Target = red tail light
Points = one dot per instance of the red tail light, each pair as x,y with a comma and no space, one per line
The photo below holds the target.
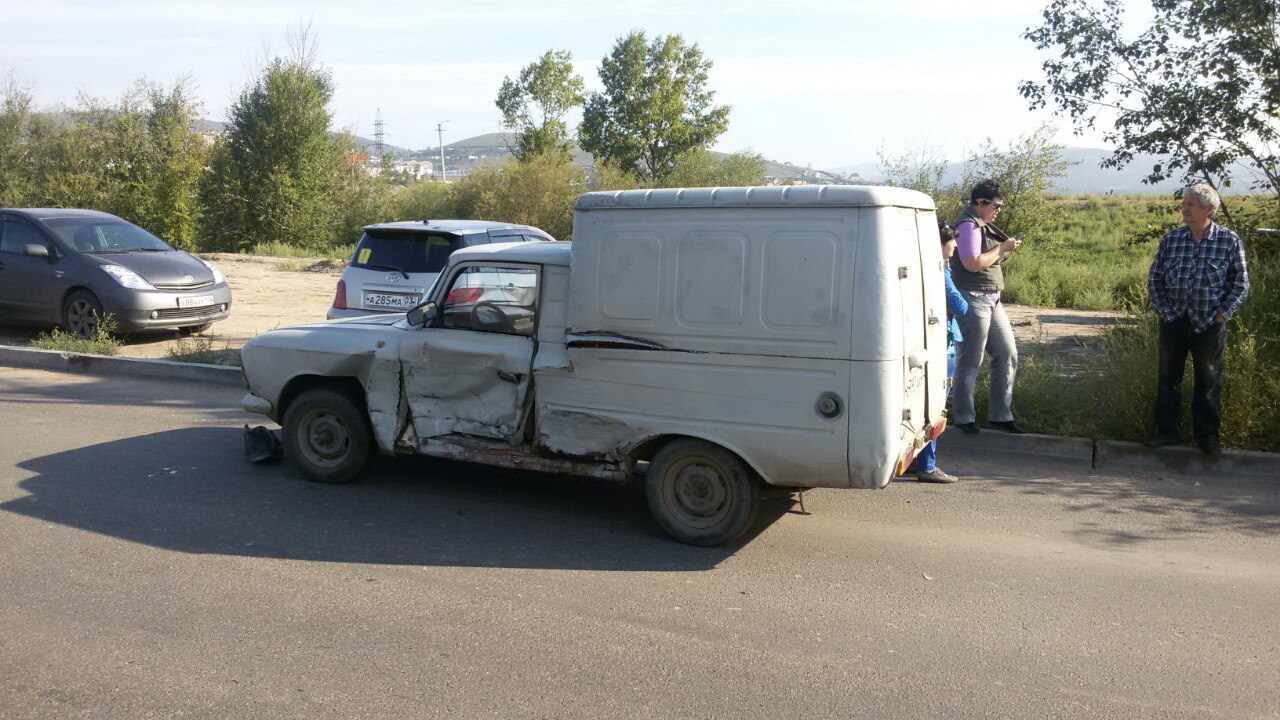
340,297
462,296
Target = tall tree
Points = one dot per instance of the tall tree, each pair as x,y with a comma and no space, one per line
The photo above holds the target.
16,171
655,106
1200,84
273,174
702,168
535,103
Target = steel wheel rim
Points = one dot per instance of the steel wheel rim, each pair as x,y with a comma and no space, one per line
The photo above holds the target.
325,439
82,318
698,492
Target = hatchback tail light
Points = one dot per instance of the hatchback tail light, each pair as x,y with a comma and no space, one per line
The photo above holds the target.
340,297
462,296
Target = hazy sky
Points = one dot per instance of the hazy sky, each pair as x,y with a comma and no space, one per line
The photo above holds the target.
826,82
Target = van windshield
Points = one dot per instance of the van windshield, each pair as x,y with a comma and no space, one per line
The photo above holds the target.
410,252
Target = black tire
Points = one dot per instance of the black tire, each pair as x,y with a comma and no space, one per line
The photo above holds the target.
327,436
700,493
194,329
81,314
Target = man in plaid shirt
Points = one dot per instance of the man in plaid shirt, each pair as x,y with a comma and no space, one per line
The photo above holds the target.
1197,282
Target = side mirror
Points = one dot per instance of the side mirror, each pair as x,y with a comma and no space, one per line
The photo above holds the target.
423,315
35,250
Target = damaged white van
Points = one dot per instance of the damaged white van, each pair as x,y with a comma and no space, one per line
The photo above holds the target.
713,342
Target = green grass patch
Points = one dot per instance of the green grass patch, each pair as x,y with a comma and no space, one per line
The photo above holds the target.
275,248
102,342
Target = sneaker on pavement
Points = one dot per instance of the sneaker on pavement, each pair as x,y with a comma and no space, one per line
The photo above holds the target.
969,427
1160,441
935,475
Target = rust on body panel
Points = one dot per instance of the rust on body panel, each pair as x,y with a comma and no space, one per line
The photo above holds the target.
473,449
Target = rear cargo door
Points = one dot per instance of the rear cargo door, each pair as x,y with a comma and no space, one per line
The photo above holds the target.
915,351
934,309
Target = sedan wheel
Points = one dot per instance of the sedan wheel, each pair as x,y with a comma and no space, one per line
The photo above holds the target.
81,314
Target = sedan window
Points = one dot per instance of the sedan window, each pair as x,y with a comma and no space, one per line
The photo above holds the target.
91,235
405,252
15,236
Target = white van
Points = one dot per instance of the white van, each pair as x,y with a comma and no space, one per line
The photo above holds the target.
714,341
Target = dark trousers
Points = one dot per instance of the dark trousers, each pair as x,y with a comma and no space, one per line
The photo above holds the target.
1177,338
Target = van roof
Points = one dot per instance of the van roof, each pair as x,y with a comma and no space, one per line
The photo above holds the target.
739,197
545,253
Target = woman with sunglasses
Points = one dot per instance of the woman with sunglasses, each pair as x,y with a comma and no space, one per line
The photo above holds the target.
981,249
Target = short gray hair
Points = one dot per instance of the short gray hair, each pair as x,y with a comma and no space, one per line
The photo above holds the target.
1209,197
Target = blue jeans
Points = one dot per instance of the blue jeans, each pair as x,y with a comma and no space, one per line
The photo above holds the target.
927,459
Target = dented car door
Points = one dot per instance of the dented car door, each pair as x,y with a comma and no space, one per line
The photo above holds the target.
469,372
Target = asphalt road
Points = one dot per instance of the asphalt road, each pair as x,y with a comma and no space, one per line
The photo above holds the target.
148,570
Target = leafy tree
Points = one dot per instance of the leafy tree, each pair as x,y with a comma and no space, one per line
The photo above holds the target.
534,105
273,175
1200,84
701,168
1026,170
172,165
921,168
540,192
16,177
655,107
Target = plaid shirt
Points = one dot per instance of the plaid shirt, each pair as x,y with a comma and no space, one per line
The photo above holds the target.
1198,279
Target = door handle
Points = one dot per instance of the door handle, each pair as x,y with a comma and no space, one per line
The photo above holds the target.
512,378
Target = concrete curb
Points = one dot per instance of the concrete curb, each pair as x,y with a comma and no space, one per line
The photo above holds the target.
107,365
1113,455
1087,455
1072,452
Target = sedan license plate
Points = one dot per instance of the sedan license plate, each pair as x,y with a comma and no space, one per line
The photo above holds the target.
391,301
197,301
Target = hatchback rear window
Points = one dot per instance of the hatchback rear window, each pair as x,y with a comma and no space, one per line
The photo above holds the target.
410,252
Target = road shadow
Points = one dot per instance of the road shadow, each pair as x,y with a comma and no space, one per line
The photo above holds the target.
190,490
1141,508
148,392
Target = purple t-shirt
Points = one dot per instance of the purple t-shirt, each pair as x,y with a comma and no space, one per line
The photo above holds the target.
968,240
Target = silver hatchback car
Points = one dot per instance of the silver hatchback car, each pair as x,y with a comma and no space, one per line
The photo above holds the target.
72,267
396,263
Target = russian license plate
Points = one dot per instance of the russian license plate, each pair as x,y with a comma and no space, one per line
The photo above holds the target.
197,301
391,301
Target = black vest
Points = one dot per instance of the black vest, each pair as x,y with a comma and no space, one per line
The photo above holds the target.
988,279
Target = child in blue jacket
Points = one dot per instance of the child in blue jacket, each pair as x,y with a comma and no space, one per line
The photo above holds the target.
926,463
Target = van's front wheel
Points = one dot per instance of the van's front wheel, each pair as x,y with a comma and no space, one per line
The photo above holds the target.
701,494
327,436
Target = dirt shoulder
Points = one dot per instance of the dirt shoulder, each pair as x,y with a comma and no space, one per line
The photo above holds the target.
269,293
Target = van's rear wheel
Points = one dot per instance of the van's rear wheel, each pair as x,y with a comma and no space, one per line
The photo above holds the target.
701,494
327,436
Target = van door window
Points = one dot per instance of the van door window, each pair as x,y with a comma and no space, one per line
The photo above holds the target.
492,299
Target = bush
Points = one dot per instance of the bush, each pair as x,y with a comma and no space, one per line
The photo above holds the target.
102,342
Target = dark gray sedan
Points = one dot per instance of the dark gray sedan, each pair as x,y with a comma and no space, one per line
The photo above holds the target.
72,267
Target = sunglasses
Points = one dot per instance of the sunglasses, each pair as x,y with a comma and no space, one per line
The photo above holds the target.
996,205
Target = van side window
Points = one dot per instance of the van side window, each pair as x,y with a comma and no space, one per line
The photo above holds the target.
492,299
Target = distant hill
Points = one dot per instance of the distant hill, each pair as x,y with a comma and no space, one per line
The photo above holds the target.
1084,176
